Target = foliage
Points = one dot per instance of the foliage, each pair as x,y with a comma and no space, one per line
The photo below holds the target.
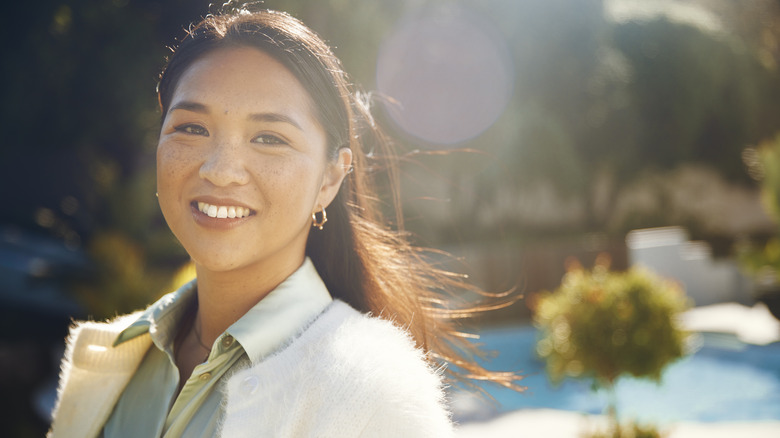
595,101
81,122
631,430
763,261
763,164
588,110
604,324
639,93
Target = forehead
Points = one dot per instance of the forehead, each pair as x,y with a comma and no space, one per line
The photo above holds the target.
242,79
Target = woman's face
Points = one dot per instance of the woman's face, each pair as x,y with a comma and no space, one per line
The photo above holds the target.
242,163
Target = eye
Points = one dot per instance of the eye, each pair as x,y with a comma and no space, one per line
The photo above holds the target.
268,139
192,129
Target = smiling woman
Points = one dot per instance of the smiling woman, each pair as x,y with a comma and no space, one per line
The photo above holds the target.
261,132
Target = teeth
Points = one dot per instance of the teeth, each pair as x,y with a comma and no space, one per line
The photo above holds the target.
223,211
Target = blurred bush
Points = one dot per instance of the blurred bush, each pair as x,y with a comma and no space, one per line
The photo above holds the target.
762,260
603,324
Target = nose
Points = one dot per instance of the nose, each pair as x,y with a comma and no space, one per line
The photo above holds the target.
225,164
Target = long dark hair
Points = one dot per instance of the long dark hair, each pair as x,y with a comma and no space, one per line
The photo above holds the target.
361,260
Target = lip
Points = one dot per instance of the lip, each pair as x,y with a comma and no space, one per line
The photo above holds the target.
219,223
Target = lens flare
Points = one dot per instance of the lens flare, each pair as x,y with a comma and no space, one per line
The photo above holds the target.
446,73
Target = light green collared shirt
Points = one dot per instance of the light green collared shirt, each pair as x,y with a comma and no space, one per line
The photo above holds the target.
147,406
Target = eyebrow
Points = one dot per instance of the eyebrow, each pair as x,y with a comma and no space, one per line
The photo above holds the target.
256,117
274,117
189,106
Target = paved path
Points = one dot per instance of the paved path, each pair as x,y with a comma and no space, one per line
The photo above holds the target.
549,423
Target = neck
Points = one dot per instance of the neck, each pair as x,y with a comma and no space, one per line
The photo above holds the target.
224,297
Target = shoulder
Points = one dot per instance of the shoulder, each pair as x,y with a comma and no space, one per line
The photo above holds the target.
356,374
92,375
110,326
113,327
407,392
344,343
364,343
99,333
361,343
105,333
90,346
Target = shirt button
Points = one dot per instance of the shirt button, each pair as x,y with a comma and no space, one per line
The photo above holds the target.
227,341
205,376
249,385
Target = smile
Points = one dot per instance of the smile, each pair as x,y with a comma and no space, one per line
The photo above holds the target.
224,211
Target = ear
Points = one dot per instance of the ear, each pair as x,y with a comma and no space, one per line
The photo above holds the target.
334,175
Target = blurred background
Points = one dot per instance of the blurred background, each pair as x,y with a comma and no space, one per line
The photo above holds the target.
533,131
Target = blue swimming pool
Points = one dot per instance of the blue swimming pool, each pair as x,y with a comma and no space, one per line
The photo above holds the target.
724,380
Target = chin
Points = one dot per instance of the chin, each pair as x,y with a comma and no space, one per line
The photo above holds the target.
213,262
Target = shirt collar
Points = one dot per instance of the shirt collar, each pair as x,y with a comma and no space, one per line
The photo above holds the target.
282,314
266,327
162,318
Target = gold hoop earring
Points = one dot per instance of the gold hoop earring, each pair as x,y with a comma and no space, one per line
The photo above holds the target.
319,223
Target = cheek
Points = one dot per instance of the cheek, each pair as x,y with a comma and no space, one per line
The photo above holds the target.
293,181
164,181
172,168
172,164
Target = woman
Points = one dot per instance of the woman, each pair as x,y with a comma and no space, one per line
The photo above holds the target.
262,177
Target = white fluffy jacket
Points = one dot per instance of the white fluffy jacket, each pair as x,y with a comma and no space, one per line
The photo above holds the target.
346,375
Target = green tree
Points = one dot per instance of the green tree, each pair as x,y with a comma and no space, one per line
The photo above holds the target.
600,100
602,325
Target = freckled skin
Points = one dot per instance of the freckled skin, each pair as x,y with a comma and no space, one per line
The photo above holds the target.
278,170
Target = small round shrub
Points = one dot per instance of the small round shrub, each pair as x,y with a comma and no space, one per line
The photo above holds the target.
601,324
